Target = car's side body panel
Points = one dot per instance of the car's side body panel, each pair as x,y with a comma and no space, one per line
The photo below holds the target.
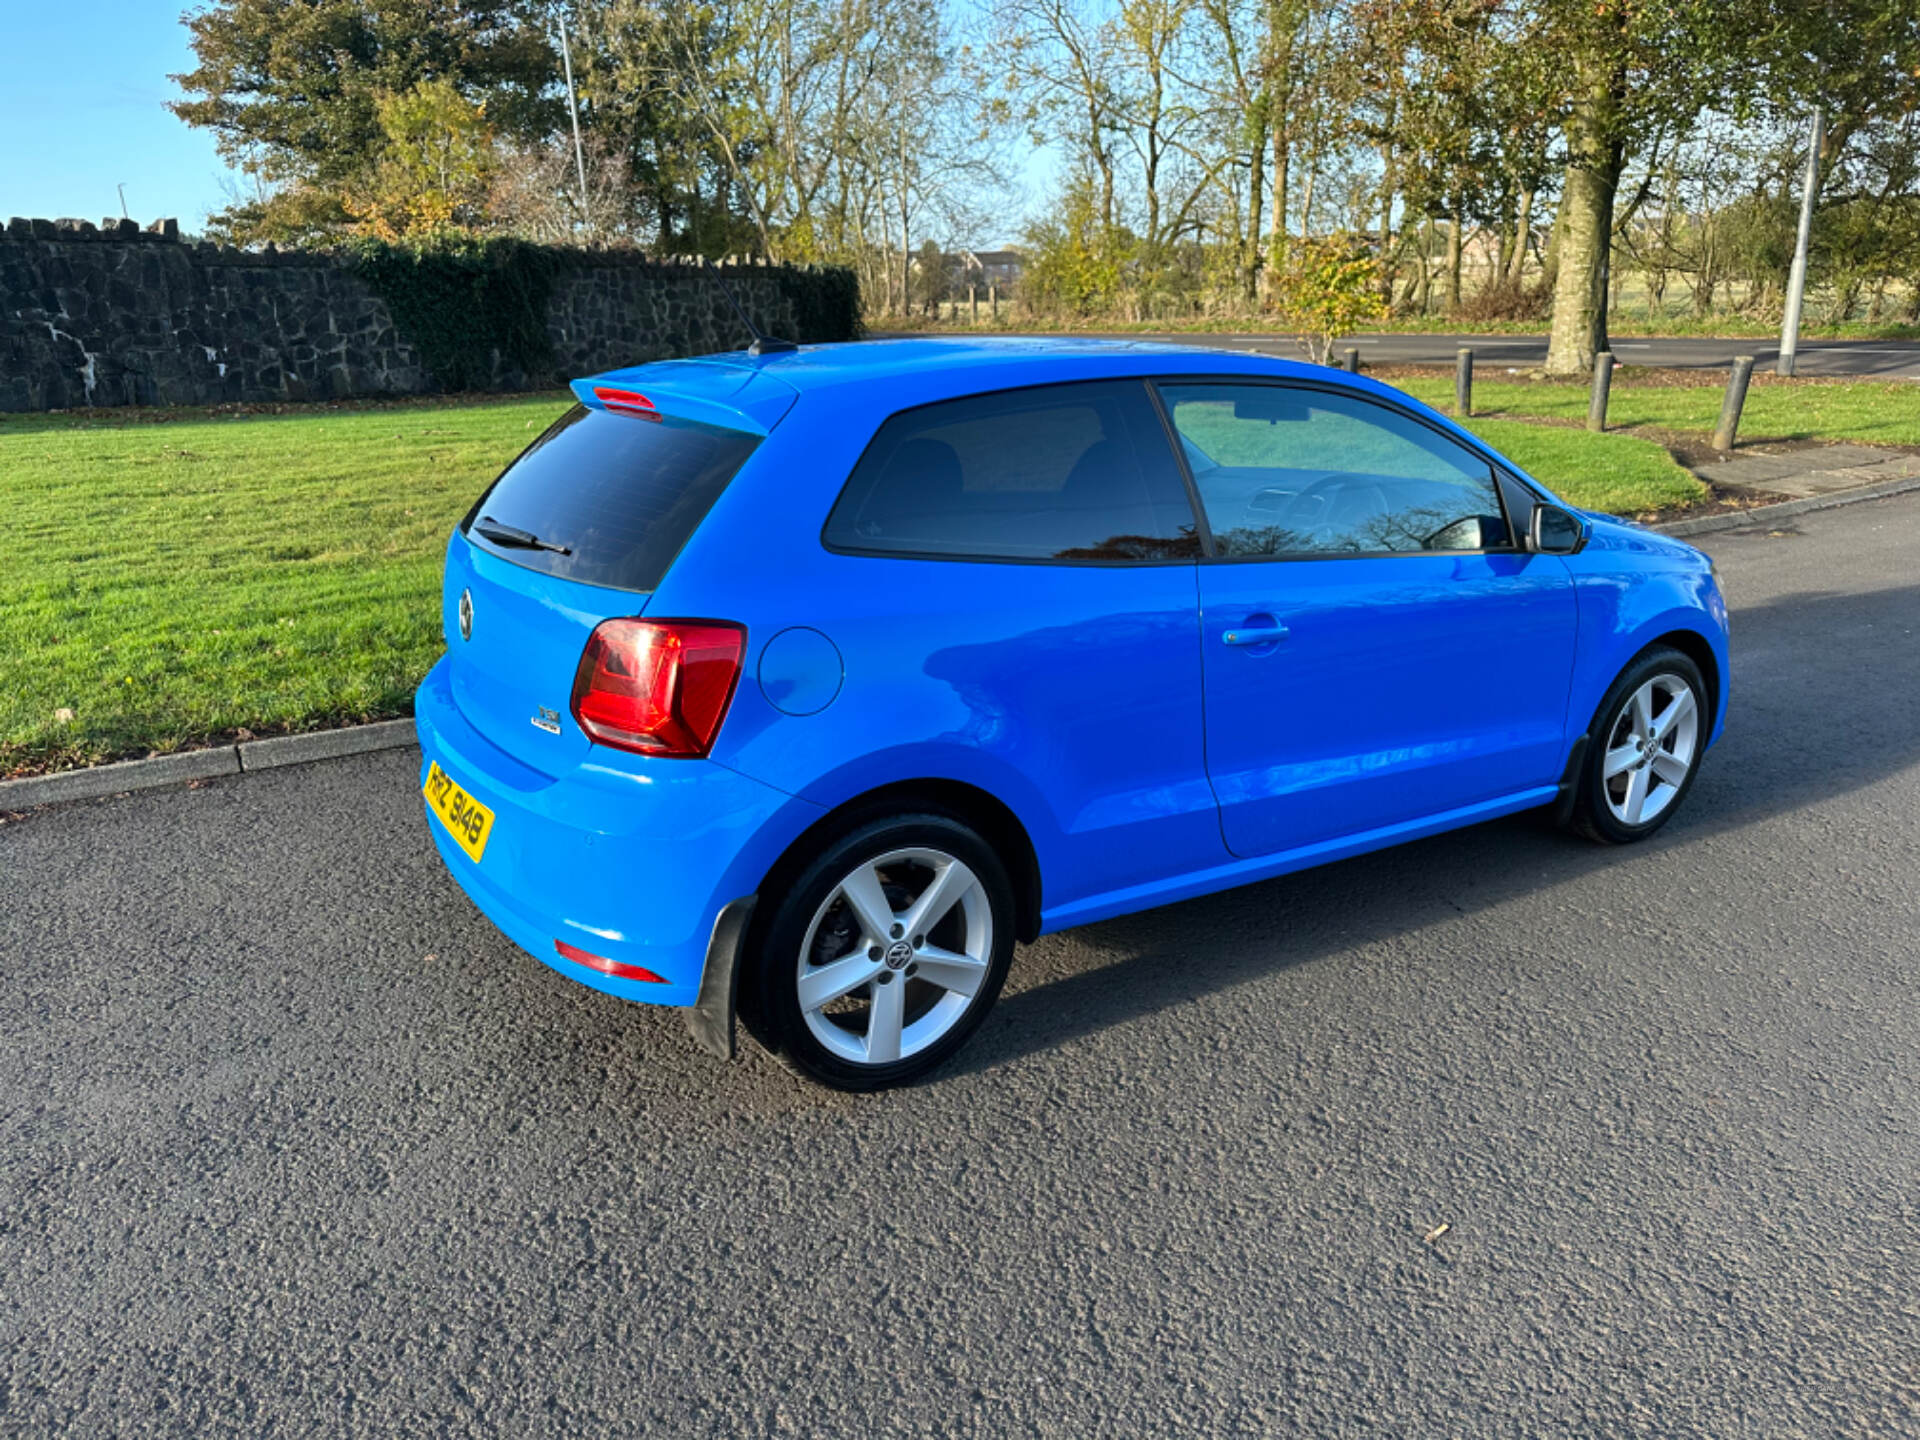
1633,588
1072,694
1403,687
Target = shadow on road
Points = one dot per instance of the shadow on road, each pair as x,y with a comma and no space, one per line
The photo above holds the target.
1826,700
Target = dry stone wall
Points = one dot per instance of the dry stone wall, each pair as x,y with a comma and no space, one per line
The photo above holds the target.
118,315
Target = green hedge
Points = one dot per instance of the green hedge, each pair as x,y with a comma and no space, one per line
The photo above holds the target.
458,301
825,301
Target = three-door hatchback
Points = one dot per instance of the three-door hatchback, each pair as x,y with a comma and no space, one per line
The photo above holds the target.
805,684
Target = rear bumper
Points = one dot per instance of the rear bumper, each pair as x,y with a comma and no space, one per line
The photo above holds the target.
632,860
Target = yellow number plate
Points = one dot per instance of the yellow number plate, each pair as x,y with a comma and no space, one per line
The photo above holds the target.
466,819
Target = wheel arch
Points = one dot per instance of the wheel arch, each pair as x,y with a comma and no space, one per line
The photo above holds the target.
1697,648
969,804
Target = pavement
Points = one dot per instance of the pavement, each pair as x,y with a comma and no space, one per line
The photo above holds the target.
1495,1135
1882,359
1812,470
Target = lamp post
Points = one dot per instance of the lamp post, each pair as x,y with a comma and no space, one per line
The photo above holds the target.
1797,279
573,113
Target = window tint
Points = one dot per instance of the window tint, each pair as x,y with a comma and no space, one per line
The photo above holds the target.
1060,472
622,493
1286,471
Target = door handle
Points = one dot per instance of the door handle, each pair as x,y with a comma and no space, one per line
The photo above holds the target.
1263,634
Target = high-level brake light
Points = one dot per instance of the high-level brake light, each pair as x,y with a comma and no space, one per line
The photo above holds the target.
626,402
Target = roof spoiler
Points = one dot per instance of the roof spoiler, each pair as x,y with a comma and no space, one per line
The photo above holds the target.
730,396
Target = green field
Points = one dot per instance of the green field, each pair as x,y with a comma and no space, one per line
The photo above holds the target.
170,583
1876,412
1617,473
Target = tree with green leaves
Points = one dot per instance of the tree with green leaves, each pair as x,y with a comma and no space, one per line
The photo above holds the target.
1626,70
293,91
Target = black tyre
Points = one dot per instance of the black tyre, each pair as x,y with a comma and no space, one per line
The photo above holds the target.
1643,748
878,959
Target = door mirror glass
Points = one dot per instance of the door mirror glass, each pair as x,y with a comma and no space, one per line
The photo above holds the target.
1556,531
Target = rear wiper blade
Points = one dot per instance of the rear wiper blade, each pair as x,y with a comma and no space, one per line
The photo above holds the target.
515,538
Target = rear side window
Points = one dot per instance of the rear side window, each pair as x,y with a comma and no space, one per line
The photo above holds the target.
620,494
1080,472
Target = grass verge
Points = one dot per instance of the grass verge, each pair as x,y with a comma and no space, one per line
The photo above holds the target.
1625,324
167,584
1621,474
172,578
1874,412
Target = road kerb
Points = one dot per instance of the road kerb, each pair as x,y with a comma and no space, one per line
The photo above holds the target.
325,744
156,771
98,780
1785,510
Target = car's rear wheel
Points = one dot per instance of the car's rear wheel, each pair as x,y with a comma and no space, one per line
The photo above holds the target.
880,957
1643,749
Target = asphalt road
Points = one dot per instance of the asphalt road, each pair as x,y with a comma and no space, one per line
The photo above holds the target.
291,1143
1882,359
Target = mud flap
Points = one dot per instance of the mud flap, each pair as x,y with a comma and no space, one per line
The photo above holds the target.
1569,785
710,1020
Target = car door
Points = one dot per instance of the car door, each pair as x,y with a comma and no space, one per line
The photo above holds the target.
1376,649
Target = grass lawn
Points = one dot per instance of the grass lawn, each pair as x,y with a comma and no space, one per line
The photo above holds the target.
1616,473
1884,412
1624,323
170,583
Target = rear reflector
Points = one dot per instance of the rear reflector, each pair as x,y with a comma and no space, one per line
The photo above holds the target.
658,687
627,402
604,965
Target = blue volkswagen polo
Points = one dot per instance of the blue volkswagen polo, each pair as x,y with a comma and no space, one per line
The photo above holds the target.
801,685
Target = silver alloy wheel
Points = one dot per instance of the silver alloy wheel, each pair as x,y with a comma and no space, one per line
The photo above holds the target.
1651,748
895,955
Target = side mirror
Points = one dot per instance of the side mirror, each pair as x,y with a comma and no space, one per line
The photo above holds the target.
1555,531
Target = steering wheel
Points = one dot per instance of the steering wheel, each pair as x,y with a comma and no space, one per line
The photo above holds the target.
1277,499
1303,502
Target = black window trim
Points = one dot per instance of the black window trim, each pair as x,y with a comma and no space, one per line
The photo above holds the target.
1153,401
1495,468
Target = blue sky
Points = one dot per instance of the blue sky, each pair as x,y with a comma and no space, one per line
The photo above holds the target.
83,84
83,90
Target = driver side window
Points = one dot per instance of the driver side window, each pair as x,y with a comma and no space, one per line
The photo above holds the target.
1302,472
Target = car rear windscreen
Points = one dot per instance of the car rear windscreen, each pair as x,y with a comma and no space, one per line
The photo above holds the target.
609,498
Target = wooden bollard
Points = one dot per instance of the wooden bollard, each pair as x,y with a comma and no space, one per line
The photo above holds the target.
1463,384
1602,387
1350,360
1734,402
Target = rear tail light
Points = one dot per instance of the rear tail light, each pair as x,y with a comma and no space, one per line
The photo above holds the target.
658,687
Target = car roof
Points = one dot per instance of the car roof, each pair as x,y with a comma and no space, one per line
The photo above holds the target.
1035,359
878,377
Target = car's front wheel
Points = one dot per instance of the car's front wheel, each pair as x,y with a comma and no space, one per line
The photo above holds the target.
1643,749
881,956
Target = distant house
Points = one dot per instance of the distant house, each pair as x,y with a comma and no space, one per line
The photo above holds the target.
978,269
998,268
